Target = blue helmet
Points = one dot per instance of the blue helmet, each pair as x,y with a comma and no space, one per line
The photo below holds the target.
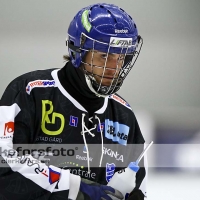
105,28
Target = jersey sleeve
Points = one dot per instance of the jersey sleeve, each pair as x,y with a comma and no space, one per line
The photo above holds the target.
24,177
140,189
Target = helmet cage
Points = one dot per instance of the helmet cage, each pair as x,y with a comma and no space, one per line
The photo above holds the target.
129,51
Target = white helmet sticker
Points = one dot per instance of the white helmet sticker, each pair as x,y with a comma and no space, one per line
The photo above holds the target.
120,42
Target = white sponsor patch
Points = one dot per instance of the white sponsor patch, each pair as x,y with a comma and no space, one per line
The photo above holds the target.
120,42
39,83
120,100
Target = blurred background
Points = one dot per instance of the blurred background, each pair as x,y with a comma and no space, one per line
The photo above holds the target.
163,88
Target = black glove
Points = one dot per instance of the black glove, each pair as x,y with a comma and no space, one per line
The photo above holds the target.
136,195
99,192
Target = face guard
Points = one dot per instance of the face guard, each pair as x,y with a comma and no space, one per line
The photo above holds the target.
100,30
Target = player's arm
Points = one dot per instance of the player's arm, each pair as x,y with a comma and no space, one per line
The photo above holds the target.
140,190
23,177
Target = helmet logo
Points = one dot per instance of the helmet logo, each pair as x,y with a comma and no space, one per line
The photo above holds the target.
85,22
119,42
121,31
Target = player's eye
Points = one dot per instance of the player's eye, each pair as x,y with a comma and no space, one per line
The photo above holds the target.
104,56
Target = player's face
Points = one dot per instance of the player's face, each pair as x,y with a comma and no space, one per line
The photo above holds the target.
105,68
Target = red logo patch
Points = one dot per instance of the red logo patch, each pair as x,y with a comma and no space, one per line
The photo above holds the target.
9,128
53,176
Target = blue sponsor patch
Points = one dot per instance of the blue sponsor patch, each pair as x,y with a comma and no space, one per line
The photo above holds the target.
73,121
54,176
100,127
116,132
110,170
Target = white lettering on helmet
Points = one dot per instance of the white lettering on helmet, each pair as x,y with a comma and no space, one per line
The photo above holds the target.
121,31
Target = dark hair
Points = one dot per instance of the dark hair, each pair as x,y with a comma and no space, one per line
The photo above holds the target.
66,58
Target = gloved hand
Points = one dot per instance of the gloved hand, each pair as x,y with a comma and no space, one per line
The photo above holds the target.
99,192
136,195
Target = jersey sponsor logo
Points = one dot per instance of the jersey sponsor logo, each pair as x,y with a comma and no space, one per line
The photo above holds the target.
9,129
81,172
49,139
116,132
53,175
100,127
39,83
7,118
112,154
120,42
78,157
120,100
50,118
110,170
73,121
121,31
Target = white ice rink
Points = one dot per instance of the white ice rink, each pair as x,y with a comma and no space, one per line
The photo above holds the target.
174,186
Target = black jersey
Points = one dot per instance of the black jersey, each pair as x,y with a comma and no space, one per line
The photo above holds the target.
36,109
